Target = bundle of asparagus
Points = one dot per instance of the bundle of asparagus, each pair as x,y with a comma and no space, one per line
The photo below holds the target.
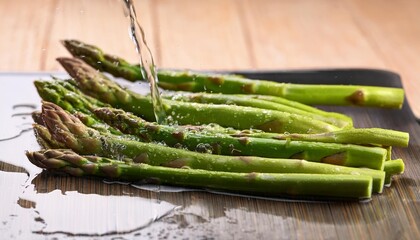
231,84
253,144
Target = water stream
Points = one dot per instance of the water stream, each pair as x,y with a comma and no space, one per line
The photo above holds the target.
148,67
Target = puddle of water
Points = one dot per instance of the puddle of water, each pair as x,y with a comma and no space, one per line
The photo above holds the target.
74,213
162,188
11,215
13,152
29,214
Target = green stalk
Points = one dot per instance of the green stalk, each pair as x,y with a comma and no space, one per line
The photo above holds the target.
63,93
336,119
393,167
224,144
200,82
67,96
292,104
98,86
370,136
267,184
69,131
72,100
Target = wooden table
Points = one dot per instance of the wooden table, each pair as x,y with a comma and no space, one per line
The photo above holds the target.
235,35
225,35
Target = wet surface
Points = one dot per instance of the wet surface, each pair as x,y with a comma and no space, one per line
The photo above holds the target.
41,205
29,210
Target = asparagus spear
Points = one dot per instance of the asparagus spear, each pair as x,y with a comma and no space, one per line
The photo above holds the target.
370,136
176,136
267,184
199,82
342,155
339,120
69,131
44,137
393,167
97,85
67,96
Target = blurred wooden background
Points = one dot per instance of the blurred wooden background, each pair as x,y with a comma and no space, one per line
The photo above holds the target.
224,34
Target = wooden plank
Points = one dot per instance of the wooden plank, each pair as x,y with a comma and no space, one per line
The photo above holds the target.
393,29
264,35
101,23
306,34
22,44
201,35
328,34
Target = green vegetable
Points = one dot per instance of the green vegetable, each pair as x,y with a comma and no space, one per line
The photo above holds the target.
267,184
393,167
261,142
219,143
336,119
98,86
69,131
44,138
214,140
70,98
199,82
370,136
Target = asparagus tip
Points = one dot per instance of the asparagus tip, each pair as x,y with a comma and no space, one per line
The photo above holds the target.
71,45
36,116
33,157
76,68
64,42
